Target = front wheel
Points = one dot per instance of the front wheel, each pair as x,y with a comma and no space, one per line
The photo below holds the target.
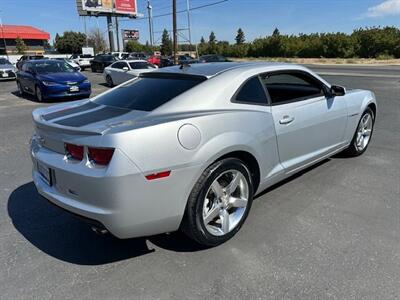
363,134
20,89
109,80
38,93
219,203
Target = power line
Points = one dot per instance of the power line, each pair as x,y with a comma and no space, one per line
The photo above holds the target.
183,11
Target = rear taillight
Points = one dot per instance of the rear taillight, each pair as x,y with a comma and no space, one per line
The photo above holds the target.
74,151
100,156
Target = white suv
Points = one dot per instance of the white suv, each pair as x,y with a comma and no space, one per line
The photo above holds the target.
83,60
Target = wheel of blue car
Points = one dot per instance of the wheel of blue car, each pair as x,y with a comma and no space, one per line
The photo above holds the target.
20,89
38,93
363,134
219,202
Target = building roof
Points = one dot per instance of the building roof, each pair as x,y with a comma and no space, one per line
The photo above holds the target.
23,32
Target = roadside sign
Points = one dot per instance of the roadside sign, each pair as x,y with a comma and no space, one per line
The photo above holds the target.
130,34
88,50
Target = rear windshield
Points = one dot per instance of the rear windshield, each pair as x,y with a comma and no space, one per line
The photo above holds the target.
141,65
148,92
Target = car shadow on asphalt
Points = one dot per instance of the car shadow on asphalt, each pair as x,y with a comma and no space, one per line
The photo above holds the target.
64,237
32,98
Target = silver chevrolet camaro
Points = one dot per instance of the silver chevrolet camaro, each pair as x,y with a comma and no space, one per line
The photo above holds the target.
189,147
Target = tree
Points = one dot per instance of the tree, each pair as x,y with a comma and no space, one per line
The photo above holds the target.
276,32
166,43
70,42
97,41
20,45
202,40
212,38
240,39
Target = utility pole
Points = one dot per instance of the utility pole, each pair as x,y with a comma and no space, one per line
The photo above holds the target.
188,21
175,33
86,37
4,38
117,33
150,14
110,32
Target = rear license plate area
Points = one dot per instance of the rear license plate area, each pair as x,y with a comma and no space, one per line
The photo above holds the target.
45,173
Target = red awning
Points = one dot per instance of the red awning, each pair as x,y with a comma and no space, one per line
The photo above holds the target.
23,32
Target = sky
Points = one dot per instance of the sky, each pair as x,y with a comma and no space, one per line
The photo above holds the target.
257,18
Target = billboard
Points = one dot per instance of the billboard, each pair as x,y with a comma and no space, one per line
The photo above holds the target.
125,7
130,34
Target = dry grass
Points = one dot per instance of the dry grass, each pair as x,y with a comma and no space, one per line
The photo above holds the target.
325,61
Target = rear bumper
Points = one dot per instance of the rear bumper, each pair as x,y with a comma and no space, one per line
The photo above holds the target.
119,197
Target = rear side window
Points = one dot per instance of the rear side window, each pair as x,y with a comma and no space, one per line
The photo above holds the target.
148,93
294,86
252,92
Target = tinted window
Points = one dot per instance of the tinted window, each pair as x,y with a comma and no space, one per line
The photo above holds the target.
119,65
141,65
52,66
287,87
4,61
148,93
252,92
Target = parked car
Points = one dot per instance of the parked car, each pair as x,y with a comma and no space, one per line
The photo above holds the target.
24,58
155,60
48,79
138,55
165,62
120,55
125,70
188,148
70,62
212,58
101,61
186,59
7,69
83,60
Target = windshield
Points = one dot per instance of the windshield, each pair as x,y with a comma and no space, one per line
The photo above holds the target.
4,61
141,65
148,92
52,67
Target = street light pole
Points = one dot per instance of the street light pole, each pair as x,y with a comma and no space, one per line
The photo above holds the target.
175,33
4,38
150,13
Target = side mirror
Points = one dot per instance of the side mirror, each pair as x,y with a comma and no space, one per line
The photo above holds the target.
337,90
125,68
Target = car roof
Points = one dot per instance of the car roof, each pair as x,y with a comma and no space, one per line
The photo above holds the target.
133,60
212,69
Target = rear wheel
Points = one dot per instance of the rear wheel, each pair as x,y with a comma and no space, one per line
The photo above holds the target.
109,80
219,203
363,134
93,69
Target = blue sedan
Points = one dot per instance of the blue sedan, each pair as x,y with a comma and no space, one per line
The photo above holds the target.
51,79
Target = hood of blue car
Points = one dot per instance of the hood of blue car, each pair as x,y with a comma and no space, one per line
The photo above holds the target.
63,77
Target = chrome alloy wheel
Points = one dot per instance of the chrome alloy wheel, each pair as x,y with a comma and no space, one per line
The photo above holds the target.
364,131
225,202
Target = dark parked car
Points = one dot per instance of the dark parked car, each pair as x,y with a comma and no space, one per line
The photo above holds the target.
212,58
186,59
165,62
51,79
101,61
24,58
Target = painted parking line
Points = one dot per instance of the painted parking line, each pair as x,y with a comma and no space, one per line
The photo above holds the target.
359,74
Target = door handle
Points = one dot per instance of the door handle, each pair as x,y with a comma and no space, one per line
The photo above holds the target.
286,120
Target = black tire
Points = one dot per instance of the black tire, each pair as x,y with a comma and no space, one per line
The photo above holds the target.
38,94
83,68
20,89
192,224
109,80
93,69
353,150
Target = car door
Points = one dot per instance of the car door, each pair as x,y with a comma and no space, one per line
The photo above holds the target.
25,77
308,123
116,72
30,78
124,72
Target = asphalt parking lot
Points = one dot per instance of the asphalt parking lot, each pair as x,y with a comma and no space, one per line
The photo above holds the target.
331,232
